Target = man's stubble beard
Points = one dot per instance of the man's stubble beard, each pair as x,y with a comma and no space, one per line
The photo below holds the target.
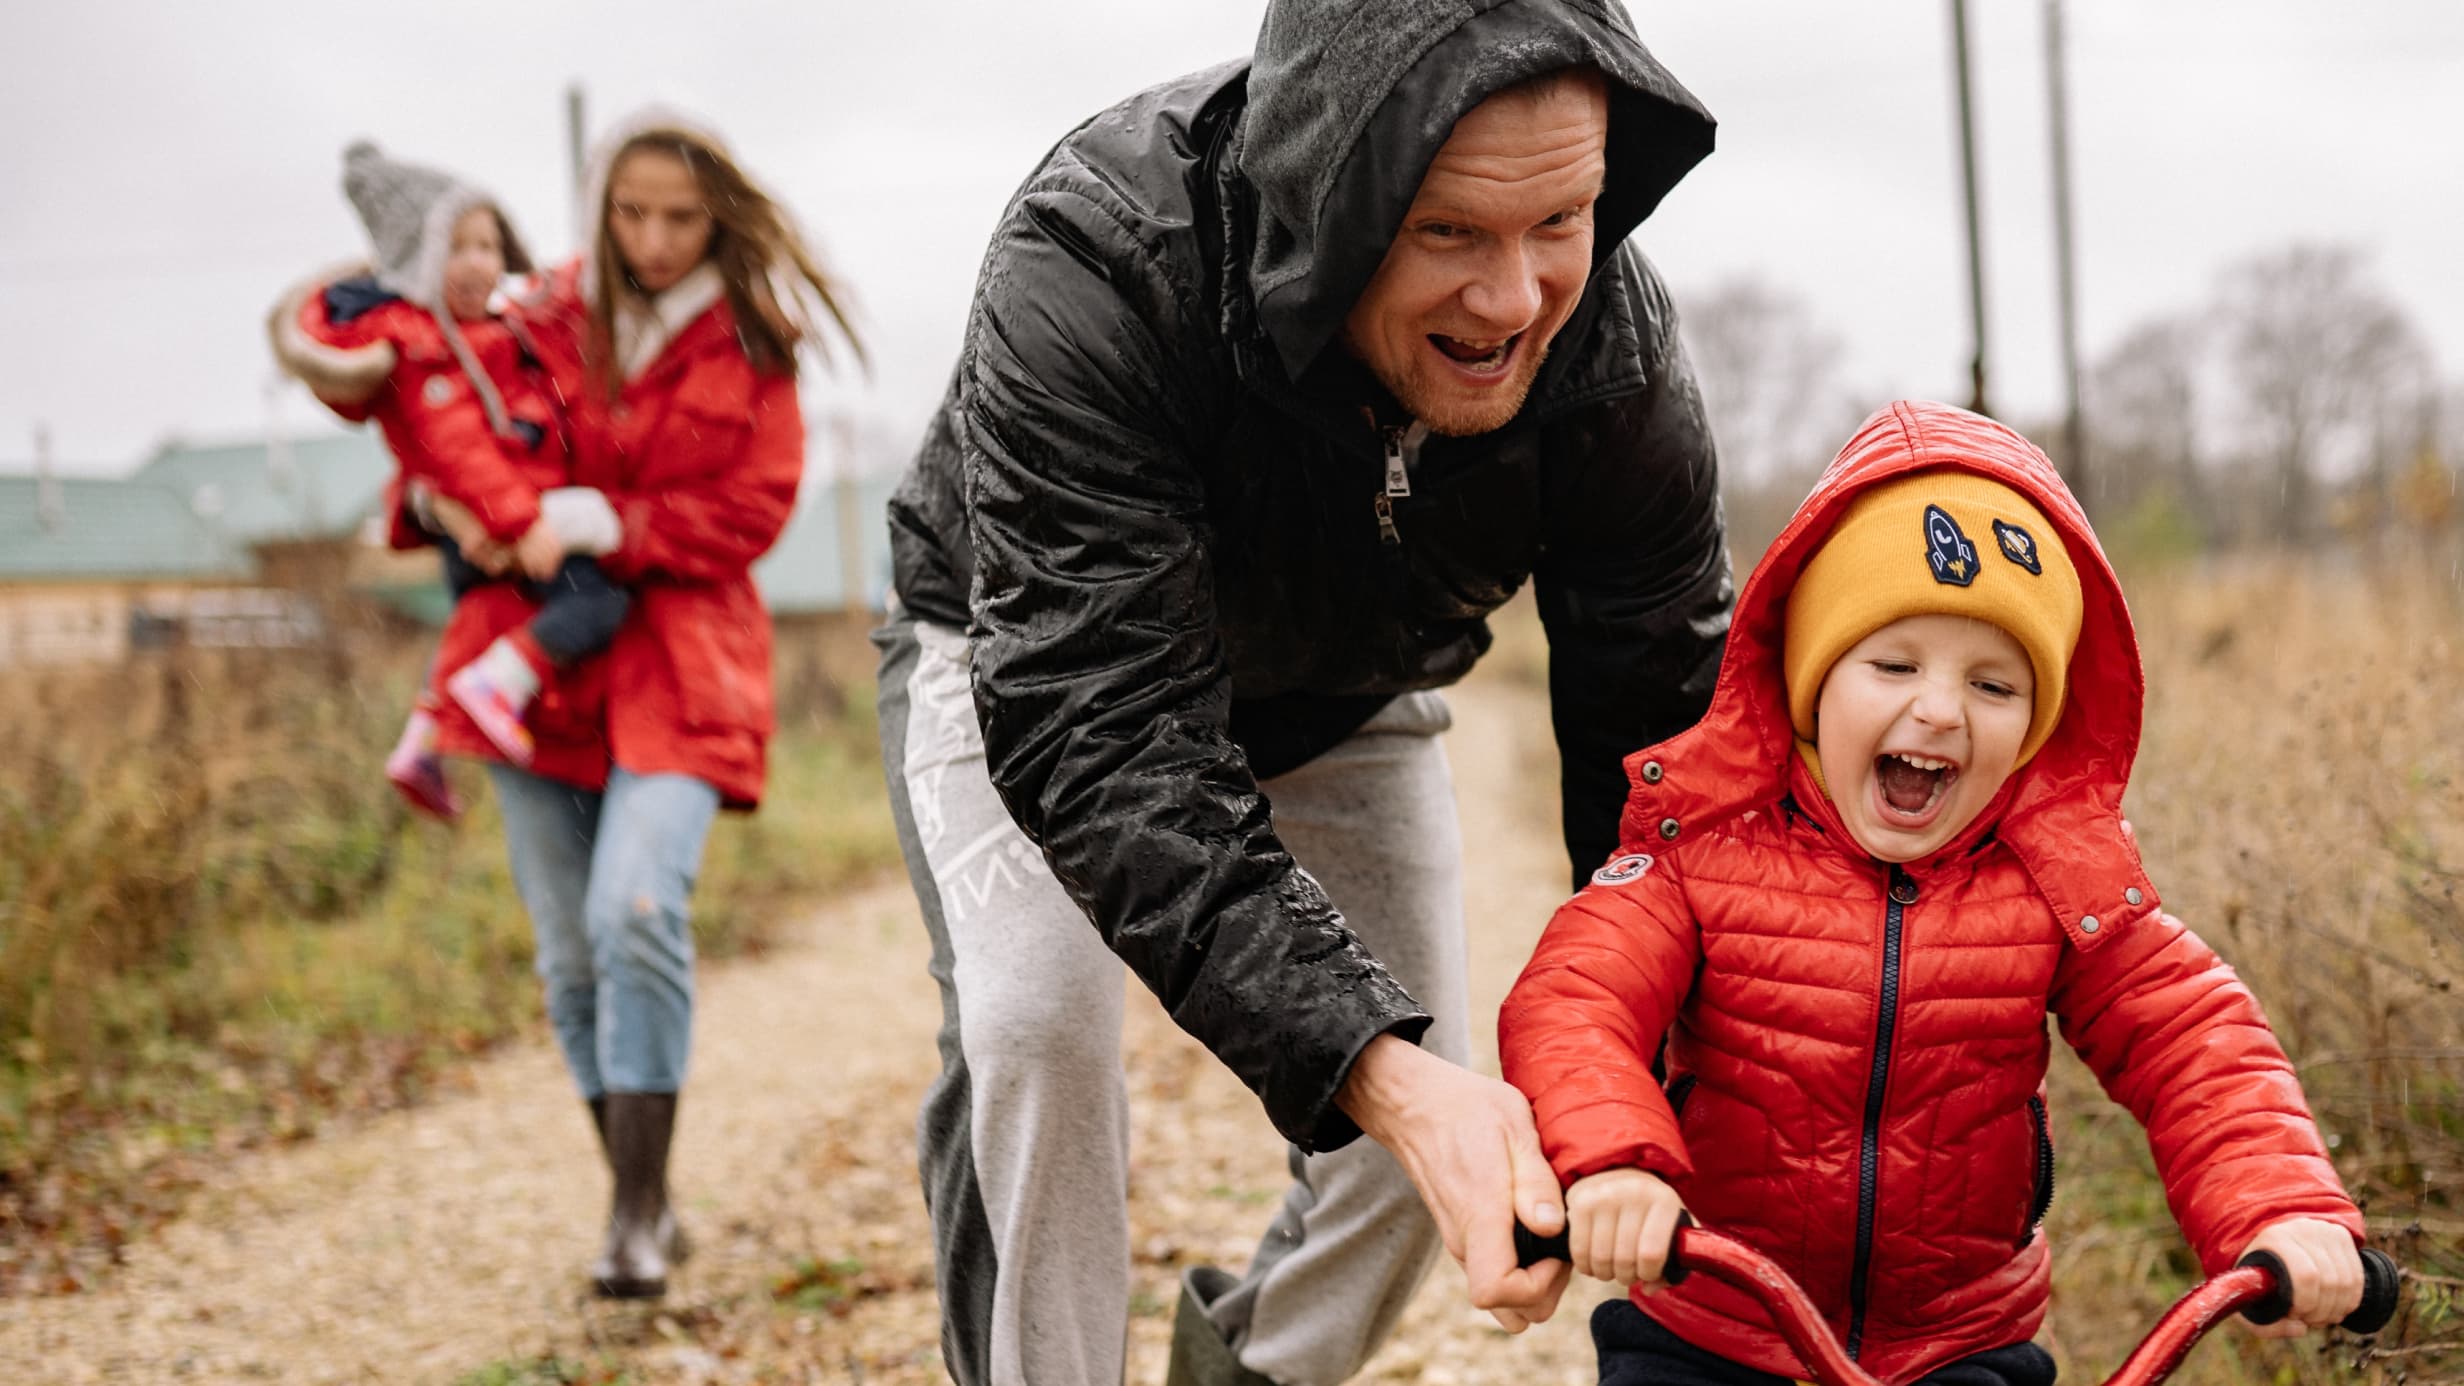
1454,419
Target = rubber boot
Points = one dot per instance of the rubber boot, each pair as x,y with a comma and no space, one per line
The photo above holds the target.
1200,1356
672,1239
639,1127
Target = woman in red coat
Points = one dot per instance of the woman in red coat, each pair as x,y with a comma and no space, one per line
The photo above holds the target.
1849,898
674,340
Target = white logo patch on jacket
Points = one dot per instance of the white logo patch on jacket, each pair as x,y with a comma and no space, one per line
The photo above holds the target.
1622,870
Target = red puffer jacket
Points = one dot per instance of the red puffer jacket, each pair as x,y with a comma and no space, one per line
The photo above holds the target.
432,419
700,455
389,363
1856,1052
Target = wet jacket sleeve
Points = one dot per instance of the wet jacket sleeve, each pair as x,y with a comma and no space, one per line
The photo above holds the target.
1578,1031
710,524
459,455
1634,585
1100,681
2175,1037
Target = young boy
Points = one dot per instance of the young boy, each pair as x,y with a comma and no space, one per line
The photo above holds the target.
1847,899
468,412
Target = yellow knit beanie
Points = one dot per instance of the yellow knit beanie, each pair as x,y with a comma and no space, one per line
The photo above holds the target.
1936,543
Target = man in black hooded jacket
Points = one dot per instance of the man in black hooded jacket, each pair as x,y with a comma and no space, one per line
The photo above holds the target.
1279,378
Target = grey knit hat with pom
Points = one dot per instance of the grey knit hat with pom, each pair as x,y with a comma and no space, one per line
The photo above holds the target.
409,211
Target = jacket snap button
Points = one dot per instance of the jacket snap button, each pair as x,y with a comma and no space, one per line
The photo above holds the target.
1652,772
1668,827
1904,891
2133,895
2088,925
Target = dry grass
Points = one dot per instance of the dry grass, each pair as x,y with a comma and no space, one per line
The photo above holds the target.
2300,799
219,926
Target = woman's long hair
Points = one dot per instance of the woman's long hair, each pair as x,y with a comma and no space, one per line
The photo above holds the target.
772,276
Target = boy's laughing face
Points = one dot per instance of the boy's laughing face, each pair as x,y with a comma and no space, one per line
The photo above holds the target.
1917,726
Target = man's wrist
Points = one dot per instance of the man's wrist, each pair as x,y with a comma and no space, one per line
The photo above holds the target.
1378,1086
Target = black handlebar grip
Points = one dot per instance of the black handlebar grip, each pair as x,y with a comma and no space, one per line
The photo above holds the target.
2379,1282
1530,1249
2278,1300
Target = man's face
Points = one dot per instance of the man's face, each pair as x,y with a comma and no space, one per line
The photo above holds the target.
1491,258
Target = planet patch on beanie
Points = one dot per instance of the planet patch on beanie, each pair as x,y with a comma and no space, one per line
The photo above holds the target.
1947,551
2018,546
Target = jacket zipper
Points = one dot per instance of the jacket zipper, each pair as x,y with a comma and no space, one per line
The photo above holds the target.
2040,1200
1402,446
1869,1151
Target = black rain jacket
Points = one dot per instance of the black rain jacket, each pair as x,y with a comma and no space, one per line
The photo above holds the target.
1157,497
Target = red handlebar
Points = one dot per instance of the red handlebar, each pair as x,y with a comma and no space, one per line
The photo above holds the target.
1801,1325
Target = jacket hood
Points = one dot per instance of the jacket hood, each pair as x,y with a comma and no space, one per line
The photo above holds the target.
590,213
410,210
2061,812
1349,100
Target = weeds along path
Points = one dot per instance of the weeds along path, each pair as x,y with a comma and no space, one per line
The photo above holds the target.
446,1243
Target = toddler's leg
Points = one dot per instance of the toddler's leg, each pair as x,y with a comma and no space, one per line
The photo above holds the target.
416,770
579,613
496,689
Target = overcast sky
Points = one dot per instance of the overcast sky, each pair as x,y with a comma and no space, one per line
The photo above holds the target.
165,169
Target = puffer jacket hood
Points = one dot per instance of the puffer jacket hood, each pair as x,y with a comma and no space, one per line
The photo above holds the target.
2061,812
1349,100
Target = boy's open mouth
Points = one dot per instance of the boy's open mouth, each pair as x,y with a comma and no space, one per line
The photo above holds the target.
1477,357
1913,784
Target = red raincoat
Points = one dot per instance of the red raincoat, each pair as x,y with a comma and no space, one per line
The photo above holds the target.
1856,1052
700,455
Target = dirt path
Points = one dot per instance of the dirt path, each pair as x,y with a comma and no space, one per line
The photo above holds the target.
447,1241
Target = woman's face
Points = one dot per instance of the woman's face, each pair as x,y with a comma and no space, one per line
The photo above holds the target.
656,213
474,263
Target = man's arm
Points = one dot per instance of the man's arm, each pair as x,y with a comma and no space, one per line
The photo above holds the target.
1634,588
1099,677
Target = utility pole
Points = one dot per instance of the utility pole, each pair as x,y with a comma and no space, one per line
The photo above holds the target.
851,594
1976,240
573,139
2057,93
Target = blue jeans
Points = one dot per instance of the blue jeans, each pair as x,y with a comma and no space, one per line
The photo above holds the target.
607,878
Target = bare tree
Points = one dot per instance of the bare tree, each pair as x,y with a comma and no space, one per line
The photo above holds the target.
2313,348
2143,398
1770,381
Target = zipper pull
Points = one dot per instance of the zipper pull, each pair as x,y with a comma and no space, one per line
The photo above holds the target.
1386,531
1398,470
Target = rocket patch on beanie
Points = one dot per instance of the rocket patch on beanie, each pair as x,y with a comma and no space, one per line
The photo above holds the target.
1903,549
1952,557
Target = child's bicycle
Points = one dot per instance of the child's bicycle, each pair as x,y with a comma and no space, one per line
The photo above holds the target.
2257,1288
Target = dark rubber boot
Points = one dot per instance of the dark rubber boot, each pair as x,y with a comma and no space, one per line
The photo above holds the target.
672,1240
639,1128
1200,1356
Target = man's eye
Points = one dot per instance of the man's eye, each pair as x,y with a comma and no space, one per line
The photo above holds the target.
1441,230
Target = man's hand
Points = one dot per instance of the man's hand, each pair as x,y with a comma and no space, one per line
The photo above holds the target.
540,550
1469,1146
1619,1223
2325,1268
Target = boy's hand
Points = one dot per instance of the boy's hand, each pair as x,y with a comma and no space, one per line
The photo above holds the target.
2325,1268
540,550
1618,1225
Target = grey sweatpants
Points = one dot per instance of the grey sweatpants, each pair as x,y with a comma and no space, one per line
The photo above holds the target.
1024,1139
